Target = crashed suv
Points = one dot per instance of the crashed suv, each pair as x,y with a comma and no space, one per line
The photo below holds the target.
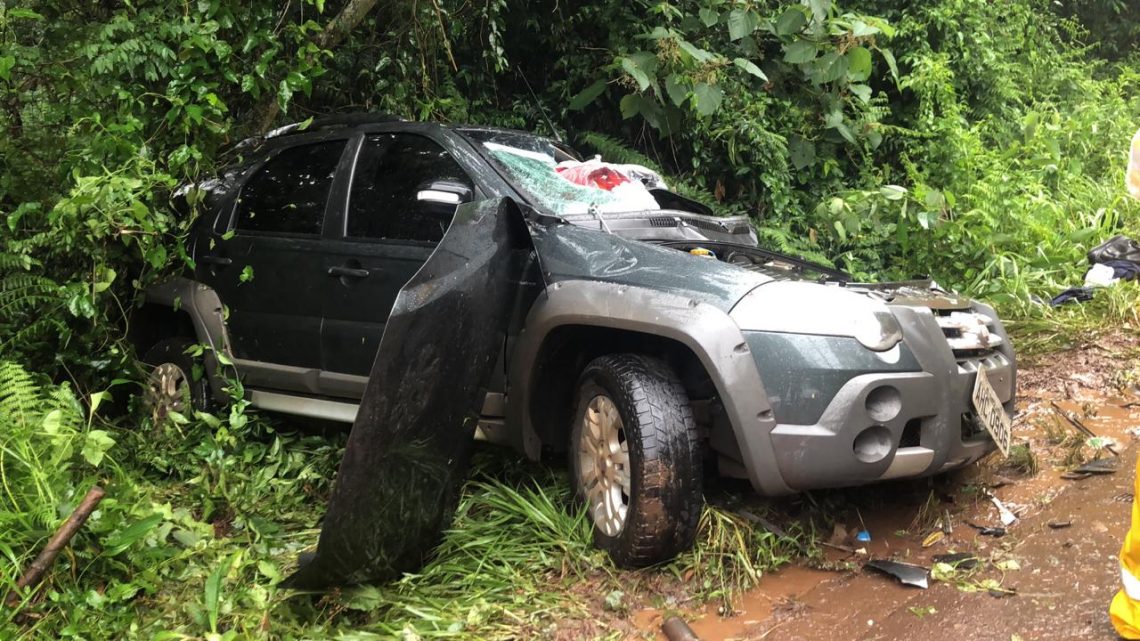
435,283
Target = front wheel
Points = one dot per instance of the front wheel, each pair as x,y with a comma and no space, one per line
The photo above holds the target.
635,459
176,381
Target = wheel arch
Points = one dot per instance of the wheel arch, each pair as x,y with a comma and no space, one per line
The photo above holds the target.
597,315
184,307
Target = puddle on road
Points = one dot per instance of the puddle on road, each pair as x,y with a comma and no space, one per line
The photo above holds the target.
777,595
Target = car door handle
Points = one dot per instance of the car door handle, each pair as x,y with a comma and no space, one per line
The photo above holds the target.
215,260
348,272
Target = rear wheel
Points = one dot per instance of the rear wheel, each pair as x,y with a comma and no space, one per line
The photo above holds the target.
171,385
635,459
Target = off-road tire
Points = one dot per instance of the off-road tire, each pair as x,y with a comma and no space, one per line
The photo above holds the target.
173,351
665,501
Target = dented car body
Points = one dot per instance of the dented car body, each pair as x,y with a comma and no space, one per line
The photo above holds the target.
452,285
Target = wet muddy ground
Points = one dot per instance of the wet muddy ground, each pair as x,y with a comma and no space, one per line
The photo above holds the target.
1051,576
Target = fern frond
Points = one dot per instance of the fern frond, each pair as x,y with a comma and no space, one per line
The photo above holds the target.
20,397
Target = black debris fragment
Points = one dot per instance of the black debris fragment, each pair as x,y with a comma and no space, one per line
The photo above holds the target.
984,530
1102,466
960,560
1059,525
906,573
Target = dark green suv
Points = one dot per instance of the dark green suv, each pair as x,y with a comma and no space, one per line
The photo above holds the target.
437,283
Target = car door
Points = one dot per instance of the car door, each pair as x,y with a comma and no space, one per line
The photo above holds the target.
267,269
389,232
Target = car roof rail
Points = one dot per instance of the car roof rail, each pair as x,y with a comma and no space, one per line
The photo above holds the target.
335,121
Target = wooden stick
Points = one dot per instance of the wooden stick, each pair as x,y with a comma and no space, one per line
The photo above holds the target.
1080,427
46,558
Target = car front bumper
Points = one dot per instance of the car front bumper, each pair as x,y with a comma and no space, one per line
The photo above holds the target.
904,419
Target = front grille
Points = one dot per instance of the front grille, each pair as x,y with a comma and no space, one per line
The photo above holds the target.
992,360
970,334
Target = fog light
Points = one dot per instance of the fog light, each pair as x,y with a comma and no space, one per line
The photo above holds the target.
883,404
873,444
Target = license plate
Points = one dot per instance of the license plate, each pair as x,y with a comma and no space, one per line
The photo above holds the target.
988,409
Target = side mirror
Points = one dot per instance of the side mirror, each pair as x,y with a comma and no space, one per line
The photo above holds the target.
444,192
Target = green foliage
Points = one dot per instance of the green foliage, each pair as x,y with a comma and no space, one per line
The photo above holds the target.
982,143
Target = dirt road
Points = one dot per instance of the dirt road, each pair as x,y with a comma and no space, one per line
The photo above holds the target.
1050,577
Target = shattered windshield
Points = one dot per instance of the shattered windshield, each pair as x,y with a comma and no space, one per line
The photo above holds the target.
553,179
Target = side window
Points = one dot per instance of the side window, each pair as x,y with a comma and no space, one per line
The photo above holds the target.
288,194
391,172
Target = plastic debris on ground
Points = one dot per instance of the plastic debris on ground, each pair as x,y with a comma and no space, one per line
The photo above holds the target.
958,560
906,573
932,538
984,530
1114,260
1004,513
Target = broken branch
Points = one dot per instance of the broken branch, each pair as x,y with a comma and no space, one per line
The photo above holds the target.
35,572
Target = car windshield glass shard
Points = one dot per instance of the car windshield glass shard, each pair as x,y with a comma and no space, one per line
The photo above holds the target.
551,179
288,195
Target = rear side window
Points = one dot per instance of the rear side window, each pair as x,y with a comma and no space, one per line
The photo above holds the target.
288,194
390,172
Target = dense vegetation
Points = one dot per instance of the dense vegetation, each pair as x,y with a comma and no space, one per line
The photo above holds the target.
980,142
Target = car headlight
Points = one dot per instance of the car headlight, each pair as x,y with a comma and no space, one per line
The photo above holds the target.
809,308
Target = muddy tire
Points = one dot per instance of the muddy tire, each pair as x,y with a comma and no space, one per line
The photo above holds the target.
635,459
170,382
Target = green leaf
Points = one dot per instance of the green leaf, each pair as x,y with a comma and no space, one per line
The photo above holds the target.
859,64
799,52
587,96
635,66
709,17
829,67
792,20
95,446
26,14
750,67
861,29
893,192
120,540
630,105
676,91
845,131
894,67
698,54
213,590
51,422
863,91
801,152
820,8
95,400
246,274
741,22
6,64
708,98
841,230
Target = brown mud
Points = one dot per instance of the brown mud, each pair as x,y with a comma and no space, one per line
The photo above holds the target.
1036,582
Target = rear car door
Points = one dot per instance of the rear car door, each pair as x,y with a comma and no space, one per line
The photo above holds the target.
266,265
389,231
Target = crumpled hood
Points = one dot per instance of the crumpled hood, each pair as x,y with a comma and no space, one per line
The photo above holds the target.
570,252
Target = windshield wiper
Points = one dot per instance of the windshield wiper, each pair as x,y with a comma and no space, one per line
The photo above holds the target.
597,213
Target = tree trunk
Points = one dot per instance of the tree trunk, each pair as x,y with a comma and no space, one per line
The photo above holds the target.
332,35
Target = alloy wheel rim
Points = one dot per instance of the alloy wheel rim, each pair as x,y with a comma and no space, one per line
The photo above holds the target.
603,465
168,390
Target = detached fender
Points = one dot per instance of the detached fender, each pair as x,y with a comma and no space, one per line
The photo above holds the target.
705,329
202,305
